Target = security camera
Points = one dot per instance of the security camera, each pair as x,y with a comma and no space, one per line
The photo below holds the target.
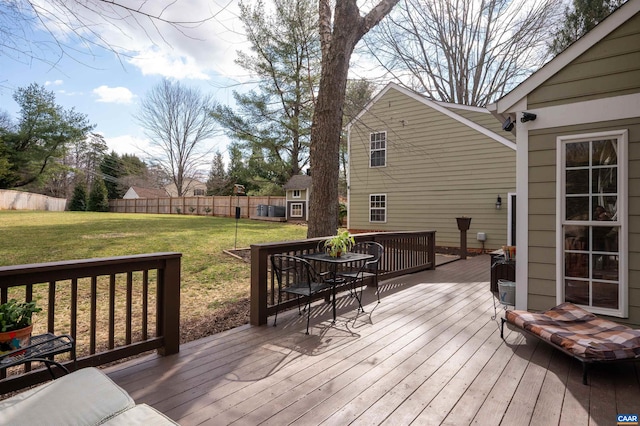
507,126
528,116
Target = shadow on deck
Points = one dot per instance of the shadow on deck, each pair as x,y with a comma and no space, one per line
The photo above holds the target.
428,354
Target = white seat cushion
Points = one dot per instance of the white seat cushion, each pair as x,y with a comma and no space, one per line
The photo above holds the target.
84,397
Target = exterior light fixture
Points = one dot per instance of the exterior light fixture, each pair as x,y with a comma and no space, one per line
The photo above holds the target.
528,116
498,202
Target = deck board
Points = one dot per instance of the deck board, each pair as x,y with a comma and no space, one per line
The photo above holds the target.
429,353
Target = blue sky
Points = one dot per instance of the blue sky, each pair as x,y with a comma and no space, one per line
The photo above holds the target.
108,87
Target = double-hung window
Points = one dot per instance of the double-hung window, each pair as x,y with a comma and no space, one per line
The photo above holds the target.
592,225
377,208
378,149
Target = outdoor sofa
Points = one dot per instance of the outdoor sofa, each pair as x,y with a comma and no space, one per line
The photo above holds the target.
84,397
578,333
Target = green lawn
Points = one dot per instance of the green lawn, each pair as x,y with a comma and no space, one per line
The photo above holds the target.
210,278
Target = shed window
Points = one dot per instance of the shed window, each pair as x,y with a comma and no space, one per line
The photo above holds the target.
377,208
378,149
295,210
295,193
592,225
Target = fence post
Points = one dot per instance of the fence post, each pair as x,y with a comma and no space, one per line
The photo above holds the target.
169,306
259,271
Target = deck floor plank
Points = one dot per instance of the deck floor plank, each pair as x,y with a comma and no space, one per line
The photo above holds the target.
549,404
429,353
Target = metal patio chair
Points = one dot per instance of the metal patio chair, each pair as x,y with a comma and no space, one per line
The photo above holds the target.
297,276
368,269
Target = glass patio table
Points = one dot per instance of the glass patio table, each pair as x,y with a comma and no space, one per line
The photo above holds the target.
332,263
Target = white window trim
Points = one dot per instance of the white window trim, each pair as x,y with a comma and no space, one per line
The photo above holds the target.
294,195
623,265
386,202
296,205
386,147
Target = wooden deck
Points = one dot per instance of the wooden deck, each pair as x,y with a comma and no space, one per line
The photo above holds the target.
429,353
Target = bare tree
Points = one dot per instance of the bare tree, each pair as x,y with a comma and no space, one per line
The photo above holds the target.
464,51
23,23
178,121
340,31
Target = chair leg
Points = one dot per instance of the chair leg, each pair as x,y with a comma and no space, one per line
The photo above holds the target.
308,313
377,288
355,292
585,367
275,319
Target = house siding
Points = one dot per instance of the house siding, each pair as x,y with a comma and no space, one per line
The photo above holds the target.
610,68
437,169
542,213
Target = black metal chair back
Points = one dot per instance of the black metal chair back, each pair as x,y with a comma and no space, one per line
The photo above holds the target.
298,277
368,269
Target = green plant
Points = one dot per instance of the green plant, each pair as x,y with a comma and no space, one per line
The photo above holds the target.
15,315
342,212
340,243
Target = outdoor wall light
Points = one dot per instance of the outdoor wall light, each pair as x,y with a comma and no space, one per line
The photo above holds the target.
498,202
528,116
508,125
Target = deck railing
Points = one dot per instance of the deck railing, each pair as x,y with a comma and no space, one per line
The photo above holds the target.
404,253
113,307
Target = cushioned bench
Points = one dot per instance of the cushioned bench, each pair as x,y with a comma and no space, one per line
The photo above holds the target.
578,333
84,397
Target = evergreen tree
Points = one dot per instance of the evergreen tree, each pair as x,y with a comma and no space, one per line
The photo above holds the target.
217,184
42,136
98,201
111,166
585,15
285,58
79,199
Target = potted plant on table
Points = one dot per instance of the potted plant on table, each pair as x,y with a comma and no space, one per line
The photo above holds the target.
16,324
339,243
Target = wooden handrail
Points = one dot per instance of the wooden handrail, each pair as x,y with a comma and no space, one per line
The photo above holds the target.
74,289
405,252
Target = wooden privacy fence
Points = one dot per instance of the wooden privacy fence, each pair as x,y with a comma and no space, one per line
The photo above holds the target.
404,253
17,200
204,206
113,307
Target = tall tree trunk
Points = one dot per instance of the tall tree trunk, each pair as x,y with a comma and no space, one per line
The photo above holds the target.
337,46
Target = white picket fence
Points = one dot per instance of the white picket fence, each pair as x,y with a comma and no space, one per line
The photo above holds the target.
17,200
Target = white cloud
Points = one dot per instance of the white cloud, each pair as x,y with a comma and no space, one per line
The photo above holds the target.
128,144
165,64
53,83
117,95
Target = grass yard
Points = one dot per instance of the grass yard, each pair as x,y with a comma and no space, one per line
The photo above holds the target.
212,281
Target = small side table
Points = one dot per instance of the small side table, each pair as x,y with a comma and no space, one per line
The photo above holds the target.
43,347
501,269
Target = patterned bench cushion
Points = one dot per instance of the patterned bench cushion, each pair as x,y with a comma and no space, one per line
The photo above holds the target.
580,332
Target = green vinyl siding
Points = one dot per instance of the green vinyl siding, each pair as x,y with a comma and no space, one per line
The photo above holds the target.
542,213
437,169
610,68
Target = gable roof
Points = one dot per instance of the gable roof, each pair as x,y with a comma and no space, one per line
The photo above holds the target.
298,182
580,46
149,192
466,115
